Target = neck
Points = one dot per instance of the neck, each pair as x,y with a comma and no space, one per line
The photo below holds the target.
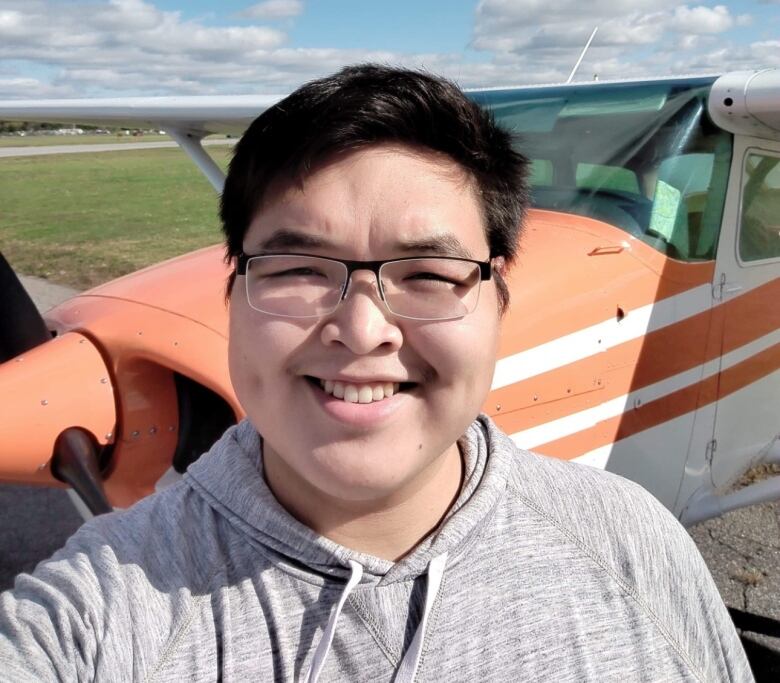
388,527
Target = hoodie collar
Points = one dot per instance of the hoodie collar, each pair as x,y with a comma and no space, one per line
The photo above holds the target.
230,478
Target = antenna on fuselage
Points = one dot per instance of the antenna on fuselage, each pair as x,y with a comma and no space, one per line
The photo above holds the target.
582,54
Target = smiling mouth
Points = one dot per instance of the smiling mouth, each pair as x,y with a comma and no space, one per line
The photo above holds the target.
368,392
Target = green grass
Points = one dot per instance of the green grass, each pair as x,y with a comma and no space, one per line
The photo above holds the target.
82,219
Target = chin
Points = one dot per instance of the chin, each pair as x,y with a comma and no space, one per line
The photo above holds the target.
349,474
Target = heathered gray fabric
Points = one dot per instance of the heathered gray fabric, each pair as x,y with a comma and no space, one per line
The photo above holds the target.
555,572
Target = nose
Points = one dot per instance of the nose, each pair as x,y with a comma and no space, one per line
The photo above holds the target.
362,322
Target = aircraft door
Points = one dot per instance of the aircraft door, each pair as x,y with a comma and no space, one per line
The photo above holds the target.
747,296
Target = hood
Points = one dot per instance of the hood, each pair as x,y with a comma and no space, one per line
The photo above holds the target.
229,477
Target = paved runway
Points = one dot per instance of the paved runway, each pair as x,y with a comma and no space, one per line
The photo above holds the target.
33,151
742,548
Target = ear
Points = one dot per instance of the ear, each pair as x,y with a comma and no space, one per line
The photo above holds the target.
498,263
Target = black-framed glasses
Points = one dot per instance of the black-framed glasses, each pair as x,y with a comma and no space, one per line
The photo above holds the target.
307,286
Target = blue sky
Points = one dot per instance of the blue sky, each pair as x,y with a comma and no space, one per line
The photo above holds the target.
87,48
400,25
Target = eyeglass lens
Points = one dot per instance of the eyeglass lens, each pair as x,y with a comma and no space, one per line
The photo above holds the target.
308,286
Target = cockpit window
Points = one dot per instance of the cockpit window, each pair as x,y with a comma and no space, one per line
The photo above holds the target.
645,157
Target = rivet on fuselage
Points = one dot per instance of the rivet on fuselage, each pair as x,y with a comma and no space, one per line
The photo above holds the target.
44,402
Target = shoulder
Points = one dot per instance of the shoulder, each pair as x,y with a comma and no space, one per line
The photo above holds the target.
634,542
168,535
152,549
179,536
125,583
594,508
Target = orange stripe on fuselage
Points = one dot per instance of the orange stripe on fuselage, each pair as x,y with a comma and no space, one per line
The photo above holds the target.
638,363
662,410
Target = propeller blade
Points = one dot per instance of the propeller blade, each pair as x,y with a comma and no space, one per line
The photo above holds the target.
21,325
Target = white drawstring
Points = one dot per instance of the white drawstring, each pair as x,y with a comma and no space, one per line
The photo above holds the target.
411,660
408,668
323,647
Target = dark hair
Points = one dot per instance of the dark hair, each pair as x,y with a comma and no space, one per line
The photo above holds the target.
369,104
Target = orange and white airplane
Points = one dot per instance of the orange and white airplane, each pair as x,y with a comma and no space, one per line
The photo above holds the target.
643,335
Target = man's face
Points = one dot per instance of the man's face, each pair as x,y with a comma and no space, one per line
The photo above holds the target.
379,203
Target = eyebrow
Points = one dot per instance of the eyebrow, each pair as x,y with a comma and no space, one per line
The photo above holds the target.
442,245
293,239
285,238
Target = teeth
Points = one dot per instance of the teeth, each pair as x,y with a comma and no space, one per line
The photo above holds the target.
360,393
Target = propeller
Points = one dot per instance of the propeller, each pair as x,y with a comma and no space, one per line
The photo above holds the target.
76,457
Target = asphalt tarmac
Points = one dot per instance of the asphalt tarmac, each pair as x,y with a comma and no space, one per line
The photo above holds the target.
741,549
33,151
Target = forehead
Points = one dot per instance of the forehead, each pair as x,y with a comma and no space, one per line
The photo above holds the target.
377,199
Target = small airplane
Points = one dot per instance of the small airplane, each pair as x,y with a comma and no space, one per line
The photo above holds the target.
643,335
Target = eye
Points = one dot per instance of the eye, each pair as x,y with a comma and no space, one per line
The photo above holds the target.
431,277
303,271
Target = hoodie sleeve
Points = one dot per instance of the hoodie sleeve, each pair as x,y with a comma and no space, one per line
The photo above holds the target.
661,566
115,601
639,546
53,620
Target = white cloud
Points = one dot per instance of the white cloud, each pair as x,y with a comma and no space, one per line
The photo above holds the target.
52,48
132,47
273,9
635,37
703,19
129,45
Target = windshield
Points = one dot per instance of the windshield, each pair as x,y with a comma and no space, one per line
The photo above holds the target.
644,157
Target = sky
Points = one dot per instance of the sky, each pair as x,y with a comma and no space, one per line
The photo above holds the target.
98,48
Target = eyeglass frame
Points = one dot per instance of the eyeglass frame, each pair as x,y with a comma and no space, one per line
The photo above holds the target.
485,274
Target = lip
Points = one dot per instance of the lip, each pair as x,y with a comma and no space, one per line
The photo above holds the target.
376,379
357,415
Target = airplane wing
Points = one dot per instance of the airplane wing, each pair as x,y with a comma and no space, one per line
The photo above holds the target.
197,116
186,119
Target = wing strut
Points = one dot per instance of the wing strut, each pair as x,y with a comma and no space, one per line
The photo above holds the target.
190,143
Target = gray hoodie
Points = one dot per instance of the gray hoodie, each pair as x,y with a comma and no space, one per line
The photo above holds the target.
543,570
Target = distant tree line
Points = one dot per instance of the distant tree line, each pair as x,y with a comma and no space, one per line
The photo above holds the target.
31,127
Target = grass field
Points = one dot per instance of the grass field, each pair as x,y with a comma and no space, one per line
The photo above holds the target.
82,219
46,140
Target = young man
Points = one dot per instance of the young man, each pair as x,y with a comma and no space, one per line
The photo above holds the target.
365,523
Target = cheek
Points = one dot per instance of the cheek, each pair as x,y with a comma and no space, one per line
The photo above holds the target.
263,350
462,352
241,363
253,349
